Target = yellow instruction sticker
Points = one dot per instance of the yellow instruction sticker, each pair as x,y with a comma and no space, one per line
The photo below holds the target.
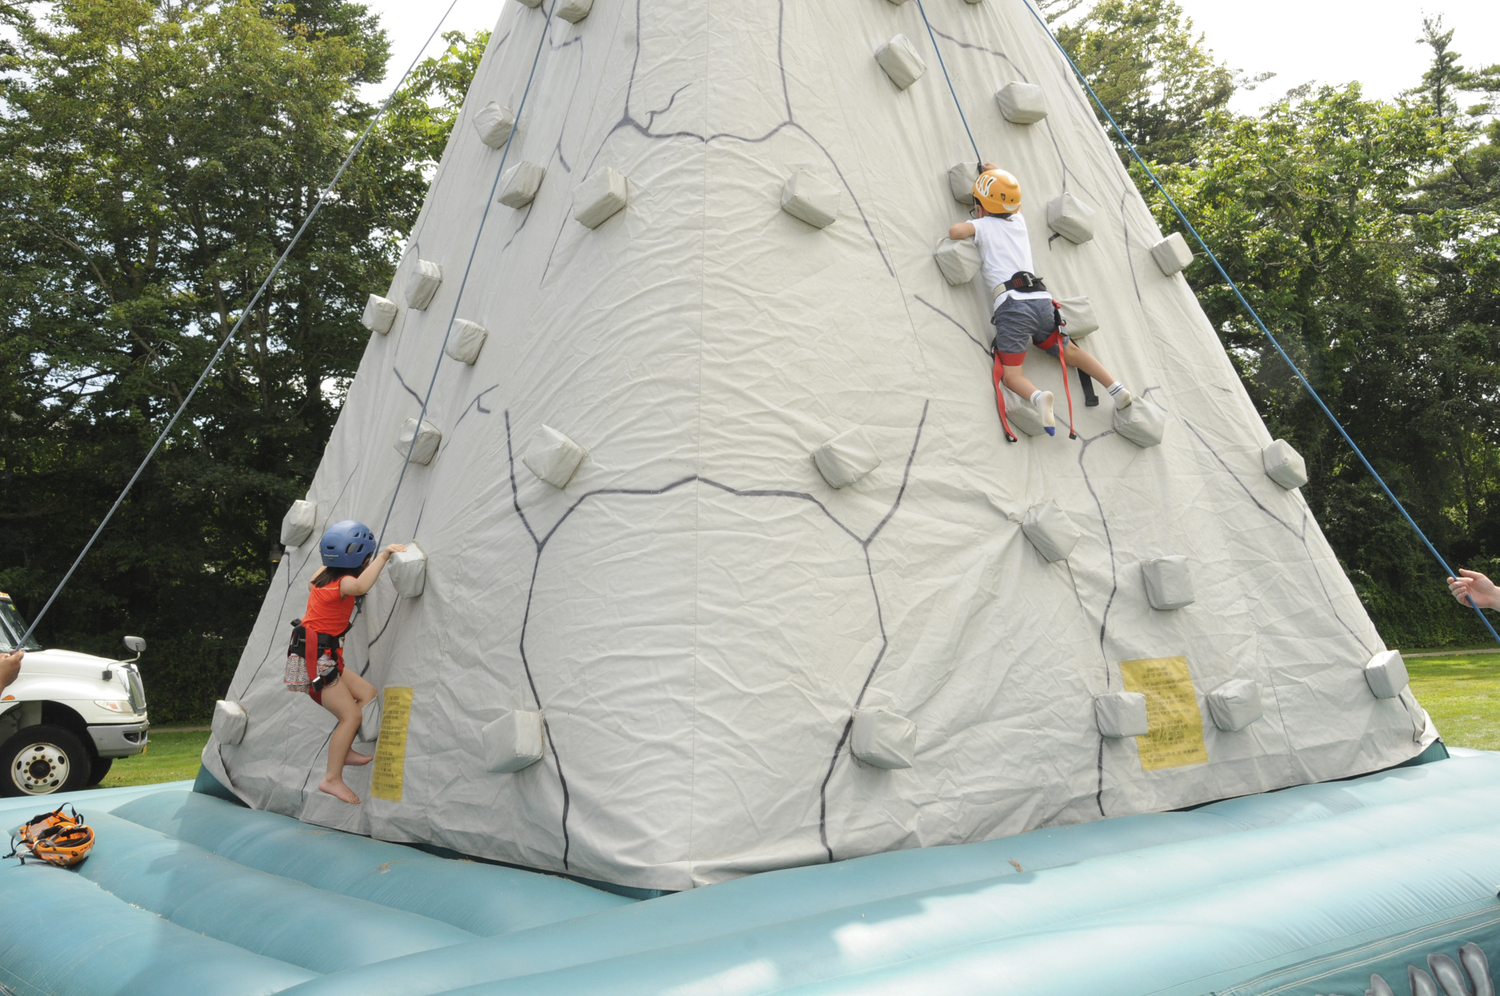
390,750
1172,716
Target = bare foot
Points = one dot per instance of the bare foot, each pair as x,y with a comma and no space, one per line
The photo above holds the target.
339,791
356,760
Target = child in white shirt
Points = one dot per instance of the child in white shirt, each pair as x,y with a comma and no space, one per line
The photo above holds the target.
1024,311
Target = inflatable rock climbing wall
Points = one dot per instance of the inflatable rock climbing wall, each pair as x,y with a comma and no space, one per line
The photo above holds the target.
721,560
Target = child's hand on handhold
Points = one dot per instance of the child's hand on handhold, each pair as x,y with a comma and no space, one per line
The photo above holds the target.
395,548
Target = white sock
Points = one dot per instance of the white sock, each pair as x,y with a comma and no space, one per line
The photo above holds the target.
1036,397
1123,398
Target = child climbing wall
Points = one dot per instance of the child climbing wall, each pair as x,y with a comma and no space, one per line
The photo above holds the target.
1024,309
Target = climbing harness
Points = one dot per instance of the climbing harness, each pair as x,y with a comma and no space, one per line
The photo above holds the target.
324,196
58,838
1022,280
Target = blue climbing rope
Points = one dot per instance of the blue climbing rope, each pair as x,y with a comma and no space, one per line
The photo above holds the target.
468,266
961,116
234,331
1182,216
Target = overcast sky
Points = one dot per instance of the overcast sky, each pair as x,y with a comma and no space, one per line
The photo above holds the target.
1332,41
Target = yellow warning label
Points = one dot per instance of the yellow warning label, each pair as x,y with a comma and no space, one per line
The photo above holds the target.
390,750
1175,724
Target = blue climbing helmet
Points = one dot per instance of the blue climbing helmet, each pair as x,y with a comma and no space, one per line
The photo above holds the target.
346,544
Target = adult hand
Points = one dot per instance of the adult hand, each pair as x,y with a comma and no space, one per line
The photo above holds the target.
10,667
1476,587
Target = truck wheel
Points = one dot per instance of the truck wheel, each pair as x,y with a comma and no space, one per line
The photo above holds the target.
41,760
98,768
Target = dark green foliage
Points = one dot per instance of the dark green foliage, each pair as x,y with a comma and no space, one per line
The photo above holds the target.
155,159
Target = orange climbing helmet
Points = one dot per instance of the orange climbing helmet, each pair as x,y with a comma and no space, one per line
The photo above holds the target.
58,838
998,191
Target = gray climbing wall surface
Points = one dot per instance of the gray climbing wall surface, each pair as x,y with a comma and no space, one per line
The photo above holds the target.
697,614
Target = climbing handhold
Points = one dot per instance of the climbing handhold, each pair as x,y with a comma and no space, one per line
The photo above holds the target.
408,571
1022,414
810,199
1071,218
512,742
422,283
533,4
1022,103
427,440
1169,585
495,122
298,523
1235,704
1050,530
574,11
1121,714
846,458
1172,254
883,739
1284,465
899,58
961,178
1386,674
520,183
1142,423
1078,312
369,721
230,722
553,457
958,260
599,198
465,340
380,314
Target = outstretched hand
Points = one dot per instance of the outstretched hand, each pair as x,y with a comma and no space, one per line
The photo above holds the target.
1473,586
396,548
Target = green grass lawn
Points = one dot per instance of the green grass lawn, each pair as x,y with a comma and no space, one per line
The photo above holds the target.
170,756
1462,694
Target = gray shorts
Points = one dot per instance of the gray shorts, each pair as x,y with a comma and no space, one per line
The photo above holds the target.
1020,322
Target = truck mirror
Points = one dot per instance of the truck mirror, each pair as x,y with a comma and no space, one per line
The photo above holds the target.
135,644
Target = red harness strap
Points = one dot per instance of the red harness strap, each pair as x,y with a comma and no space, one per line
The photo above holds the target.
1056,339
1000,365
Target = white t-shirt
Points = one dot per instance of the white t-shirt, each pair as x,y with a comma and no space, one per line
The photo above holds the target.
1004,251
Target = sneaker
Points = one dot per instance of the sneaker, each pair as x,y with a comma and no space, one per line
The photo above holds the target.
1123,399
1044,405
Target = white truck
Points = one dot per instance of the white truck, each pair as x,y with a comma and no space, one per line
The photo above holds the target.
68,715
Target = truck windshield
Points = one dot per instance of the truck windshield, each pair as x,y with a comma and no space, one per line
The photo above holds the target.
13,626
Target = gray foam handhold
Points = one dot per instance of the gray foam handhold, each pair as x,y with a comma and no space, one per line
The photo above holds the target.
961,179
533,4
1172,254
408,571
1121,714
574,11
1386,674
1050,530
230,722
427,440
369,721
1071,218
495,122
958,260
553,457
899,58
513,742
1078,312
1284,465
883,739
810,199
1022,414
600,198
1169,585
846,458
1022,103
520,183
422,283
1235,704
379,315
297,525
1142,423
465,340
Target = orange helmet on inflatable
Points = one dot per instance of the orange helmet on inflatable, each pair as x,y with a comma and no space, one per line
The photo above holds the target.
998,191
58,838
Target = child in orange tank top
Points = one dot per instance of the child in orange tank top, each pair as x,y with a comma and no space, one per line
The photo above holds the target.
349,571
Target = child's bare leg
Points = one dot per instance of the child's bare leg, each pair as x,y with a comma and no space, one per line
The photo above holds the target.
364,693
1085,361
1014,379
339,700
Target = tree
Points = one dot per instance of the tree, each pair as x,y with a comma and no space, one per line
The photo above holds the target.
155,158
